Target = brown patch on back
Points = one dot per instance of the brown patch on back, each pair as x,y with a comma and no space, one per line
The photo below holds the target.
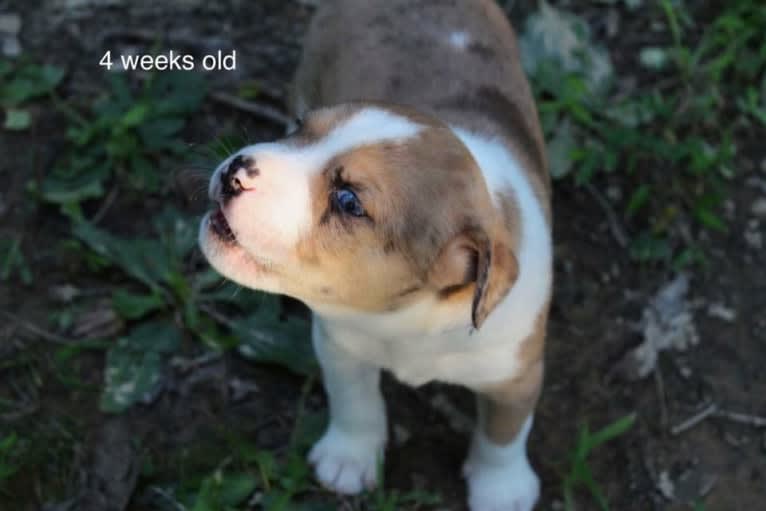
508,119
354,50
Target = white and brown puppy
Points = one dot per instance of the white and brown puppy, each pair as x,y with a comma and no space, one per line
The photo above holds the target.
410,211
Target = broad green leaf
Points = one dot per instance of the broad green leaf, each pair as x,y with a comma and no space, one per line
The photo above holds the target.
180,92
17,120
60,188
134,365
638,199
143,259
156,134
222,491
176,231
134,306
135,116
13,262
143,175
8,451
235,488
265,337
5,68
28,82
709,219
560,149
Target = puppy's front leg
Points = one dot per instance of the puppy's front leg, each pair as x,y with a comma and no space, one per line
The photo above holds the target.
500,477
346,458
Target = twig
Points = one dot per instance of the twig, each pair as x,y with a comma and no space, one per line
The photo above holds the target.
168,498
692,421
267,112
742,418
614,224
659,382
105,206
35,330
708,485
26,410
185,365
227,322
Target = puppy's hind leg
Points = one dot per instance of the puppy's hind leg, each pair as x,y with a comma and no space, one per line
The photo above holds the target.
499,475
347,457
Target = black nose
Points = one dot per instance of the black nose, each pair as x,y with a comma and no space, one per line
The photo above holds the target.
230,183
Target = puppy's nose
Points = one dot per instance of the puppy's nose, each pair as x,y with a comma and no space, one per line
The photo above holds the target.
239,176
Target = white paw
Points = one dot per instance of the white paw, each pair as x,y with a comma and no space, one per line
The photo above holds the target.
347,463
513,487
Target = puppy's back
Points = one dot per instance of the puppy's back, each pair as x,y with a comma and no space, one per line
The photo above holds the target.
457,59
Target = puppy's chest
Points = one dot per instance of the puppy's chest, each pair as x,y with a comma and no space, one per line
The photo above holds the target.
453,357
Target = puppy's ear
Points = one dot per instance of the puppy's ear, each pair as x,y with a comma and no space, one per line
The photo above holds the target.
472,257
497,271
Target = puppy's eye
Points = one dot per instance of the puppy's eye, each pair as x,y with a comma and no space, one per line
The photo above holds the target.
347,202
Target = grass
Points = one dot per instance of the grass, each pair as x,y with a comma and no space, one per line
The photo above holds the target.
672,140
9,452
579,474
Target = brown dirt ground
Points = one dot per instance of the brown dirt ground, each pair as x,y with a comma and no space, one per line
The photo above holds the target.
599,297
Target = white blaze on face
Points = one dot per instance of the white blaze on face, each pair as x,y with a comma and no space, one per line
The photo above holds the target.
271,218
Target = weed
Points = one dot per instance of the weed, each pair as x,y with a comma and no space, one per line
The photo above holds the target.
164,293
128,136
9,454
21,83
251,476
673,142
579,473
12,261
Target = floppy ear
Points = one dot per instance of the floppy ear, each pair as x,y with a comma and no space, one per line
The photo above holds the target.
496,273
472,257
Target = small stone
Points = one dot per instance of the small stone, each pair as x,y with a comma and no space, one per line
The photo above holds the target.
401,434
754,239
758,208
612,23
11,47
666,486
65,293
720,311
10,24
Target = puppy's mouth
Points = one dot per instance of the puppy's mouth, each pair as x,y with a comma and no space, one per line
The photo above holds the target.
220,227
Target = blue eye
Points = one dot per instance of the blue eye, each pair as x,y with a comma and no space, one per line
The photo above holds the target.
347,201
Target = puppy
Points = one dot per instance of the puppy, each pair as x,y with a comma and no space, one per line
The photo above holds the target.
410,211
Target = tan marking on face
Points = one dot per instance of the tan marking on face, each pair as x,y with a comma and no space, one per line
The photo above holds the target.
418,194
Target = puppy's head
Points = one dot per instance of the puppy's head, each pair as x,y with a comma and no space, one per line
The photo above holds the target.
364,208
